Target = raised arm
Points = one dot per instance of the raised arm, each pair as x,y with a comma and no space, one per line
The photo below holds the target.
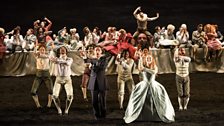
175,57
153,18
220,35
49,24
67,62
36,23
140,64
186,58
125,64
118,59
178,57
135,12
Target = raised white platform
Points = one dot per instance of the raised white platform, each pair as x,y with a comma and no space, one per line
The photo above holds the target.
23,63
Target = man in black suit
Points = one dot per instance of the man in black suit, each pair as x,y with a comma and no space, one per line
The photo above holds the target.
98,83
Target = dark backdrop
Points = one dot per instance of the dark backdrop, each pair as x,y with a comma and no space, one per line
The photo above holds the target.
104,13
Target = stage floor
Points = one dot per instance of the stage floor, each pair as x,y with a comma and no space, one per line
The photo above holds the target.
206,106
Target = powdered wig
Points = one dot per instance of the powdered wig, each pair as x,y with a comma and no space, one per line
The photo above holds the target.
72,30
184,26
171,27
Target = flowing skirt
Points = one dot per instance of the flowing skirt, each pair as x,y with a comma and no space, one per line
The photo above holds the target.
149,101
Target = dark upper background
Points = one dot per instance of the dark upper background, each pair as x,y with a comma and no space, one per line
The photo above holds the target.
104,13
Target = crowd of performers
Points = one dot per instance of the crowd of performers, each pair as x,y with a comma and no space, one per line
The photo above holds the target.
148,99
205,36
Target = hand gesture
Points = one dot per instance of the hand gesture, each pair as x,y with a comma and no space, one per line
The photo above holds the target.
53,59
119,57
141,68
139,8
90,66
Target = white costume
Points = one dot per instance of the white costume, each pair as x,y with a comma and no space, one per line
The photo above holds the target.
149,101
63,73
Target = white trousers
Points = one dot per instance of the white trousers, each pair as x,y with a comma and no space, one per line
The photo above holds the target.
63,81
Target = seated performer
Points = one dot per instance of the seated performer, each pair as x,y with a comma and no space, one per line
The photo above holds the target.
142,21
168,40
122,43
214,45
199,41
2,45
149,100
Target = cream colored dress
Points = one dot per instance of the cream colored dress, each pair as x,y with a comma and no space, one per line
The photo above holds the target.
149,101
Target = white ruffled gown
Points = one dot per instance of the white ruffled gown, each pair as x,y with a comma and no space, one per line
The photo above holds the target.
149,101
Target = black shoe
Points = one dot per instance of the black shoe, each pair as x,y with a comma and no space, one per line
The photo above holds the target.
103,117
46,109
39,109
100,118
97,118
86,99
205,60
65,114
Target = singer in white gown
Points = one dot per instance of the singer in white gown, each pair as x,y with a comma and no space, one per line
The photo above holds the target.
149,101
